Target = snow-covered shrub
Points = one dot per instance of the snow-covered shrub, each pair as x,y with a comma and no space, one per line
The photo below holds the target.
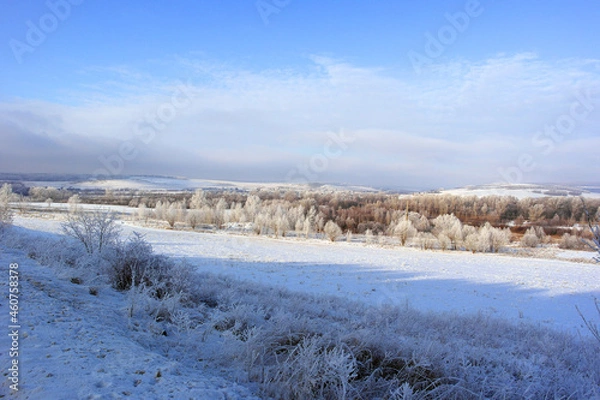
492,239
6,214
133,263
96,231
134,266
369,236
530,238
313,369
571,242
332,230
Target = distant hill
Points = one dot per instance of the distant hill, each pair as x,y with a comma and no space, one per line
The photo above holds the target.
154,183
525,190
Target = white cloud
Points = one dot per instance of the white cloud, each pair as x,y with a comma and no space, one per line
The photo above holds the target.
455,125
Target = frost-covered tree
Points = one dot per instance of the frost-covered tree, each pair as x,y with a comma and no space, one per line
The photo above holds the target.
310,221
536,212
6,214
450,227
261,223
142,212
74,202
220,213
427,240
332,230
193,219
595,231
279,222
473,242
160,210
173,213
299,225
405,230
252,206
444,241
198,199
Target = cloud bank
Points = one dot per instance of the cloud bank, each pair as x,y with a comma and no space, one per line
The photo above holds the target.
459,123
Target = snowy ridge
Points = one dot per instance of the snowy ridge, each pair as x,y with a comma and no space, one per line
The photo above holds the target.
160,184
522,191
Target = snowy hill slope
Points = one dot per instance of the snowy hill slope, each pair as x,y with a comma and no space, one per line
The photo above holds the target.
75,343
78,346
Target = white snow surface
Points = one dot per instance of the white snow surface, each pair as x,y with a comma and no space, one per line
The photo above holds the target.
73,345
540,291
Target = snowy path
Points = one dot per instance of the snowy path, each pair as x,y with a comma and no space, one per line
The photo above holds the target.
520,289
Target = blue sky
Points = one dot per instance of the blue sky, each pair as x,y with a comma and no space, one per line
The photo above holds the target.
424,95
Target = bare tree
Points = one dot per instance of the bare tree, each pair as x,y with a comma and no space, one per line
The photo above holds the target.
96,231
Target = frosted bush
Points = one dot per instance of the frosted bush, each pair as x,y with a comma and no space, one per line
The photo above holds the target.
313,369
369,236
571,242
530,238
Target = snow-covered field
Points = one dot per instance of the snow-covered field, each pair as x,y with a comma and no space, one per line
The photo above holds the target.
92,334
535,290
